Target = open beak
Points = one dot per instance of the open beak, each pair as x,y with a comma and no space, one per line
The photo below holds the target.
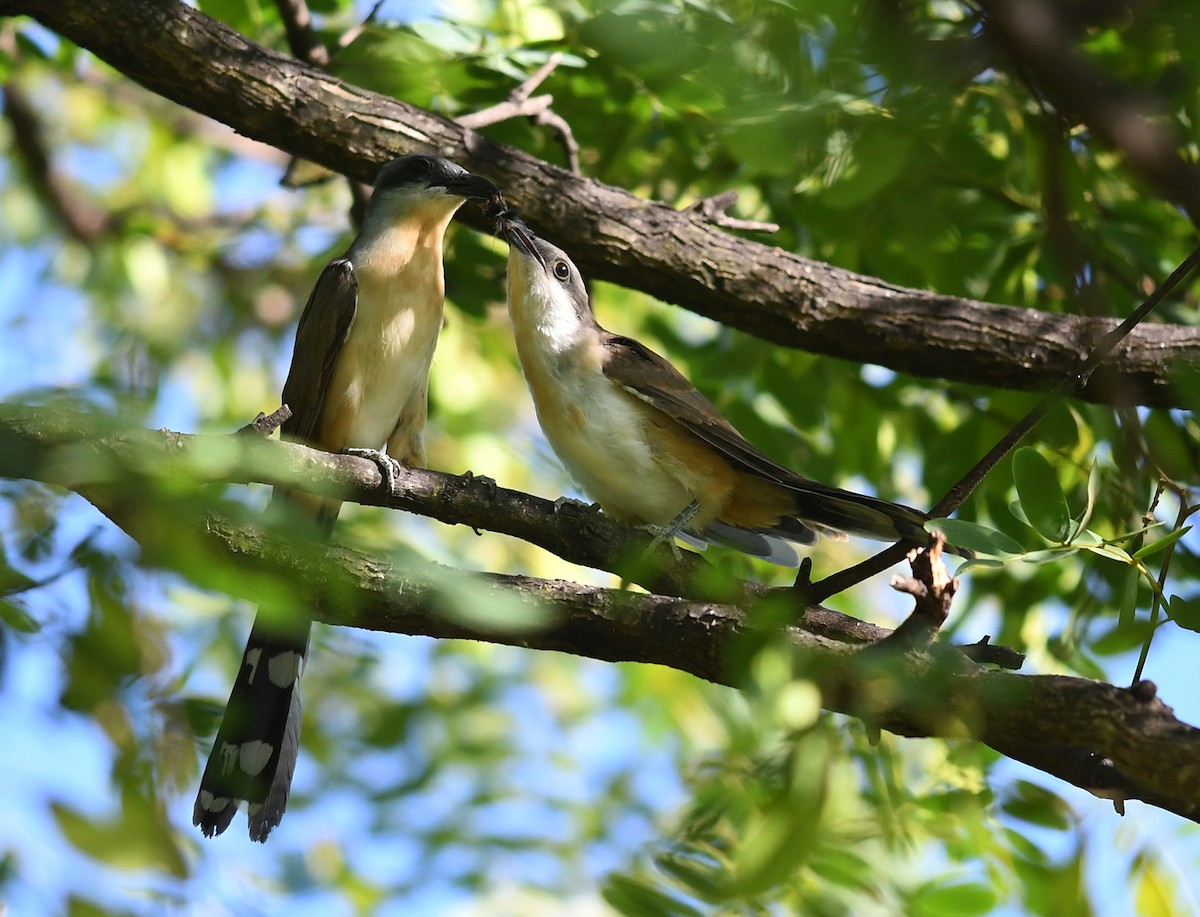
518,234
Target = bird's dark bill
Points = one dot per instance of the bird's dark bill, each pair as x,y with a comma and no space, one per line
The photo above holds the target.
518,234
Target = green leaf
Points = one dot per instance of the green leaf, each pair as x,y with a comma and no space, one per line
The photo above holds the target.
1047,556
975,537
963,900
1110,551
14,581
1037,805
1042,498
138,837
1121,638
1155,546
1185,612
14,617
703,879
638,898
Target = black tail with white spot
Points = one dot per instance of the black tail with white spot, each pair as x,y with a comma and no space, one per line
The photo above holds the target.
255,751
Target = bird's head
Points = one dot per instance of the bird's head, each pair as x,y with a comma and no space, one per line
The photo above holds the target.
419,182
543,282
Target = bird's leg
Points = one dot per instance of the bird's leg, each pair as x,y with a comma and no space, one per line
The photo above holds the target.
667,533
389,468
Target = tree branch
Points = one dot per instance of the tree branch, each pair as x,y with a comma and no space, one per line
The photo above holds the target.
201,63
1121,744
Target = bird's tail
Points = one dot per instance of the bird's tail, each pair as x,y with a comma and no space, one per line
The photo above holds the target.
254,754
258,741
831,508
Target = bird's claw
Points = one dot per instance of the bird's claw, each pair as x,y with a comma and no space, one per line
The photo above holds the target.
664,534
389,468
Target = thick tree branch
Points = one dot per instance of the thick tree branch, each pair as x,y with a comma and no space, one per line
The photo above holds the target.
1122,744
676,256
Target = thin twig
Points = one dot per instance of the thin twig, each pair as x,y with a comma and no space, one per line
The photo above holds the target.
347,38
521,103
75,213
714,208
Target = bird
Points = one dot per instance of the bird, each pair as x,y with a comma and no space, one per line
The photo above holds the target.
358,382
646,445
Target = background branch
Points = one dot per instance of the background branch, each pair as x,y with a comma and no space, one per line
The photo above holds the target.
200,63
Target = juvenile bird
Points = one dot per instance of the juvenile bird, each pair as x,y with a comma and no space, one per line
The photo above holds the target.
646,445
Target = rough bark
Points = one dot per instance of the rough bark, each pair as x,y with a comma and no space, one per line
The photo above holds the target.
202,64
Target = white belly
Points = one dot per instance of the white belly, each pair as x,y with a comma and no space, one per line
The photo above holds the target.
386,359
597,431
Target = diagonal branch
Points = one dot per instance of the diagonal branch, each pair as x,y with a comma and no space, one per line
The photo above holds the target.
201,63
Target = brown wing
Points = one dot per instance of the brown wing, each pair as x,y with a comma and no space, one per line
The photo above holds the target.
319,339
650,377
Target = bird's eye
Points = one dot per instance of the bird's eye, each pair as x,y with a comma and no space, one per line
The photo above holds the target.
562,270
419,167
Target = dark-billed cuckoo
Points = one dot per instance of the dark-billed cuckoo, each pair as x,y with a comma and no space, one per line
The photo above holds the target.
358,381
646,445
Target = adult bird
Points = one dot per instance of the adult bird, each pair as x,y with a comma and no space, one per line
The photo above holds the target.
358,381
649,447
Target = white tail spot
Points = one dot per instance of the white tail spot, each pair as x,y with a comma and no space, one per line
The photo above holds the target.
211,803
252,657
253,757
284,668
229,756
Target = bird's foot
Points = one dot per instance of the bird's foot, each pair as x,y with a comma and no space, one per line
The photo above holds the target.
666,533
389,468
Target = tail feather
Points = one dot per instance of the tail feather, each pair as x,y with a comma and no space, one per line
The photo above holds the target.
254,753
858,514
772,546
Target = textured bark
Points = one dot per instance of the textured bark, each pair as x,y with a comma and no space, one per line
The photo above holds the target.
1121,743
202,64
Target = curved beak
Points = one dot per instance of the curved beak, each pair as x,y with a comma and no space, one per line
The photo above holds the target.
520,236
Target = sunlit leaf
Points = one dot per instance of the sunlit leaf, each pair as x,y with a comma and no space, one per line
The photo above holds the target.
635,897
1156,891
1161,544
962,900
1128,605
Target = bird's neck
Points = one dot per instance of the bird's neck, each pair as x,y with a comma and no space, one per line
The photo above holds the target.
548,324
390,245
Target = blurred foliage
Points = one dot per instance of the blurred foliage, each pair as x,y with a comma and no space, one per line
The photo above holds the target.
888,139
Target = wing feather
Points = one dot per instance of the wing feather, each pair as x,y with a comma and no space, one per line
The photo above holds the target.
322,331
651,378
